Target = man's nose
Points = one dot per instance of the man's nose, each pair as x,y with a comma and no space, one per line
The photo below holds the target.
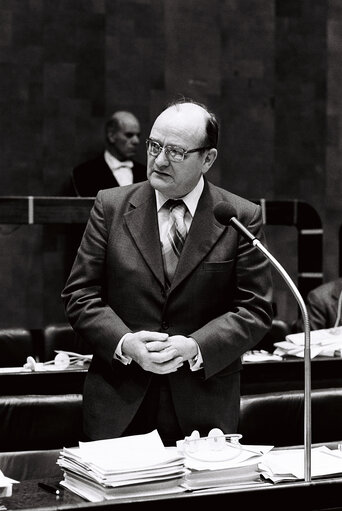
135,139
161,160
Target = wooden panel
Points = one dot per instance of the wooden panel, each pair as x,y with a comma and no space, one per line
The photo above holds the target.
270,69
72,210
44,210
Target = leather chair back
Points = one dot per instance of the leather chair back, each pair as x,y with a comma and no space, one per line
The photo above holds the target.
25,465
16,344
277,418
61,337
30,422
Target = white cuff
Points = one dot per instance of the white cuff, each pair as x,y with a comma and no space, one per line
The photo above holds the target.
196,363
118,353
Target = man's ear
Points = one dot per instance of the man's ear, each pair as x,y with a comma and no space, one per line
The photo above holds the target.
209,159
111,136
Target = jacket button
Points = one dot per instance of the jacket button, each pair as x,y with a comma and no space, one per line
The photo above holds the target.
163,292
165,325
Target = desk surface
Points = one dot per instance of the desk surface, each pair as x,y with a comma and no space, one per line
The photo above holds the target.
256,377
40,382
288,374
319,495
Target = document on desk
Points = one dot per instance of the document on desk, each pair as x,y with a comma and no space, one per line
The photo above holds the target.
246,455
288,464
326,342
260,356
130,453
138,465
6,485
244,468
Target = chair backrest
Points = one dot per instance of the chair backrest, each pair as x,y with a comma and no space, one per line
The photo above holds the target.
16,344
277,418
61,337
30,422
25,465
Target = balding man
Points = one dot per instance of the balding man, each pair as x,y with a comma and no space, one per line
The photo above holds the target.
168,298
116,166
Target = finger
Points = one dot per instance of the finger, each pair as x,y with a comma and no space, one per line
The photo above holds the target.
154,336
169,367
157,345
164,356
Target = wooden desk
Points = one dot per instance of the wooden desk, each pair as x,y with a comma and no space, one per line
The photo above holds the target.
288,374
256,377
319,495
49,382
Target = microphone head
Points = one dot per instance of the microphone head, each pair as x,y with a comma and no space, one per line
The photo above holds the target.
224,212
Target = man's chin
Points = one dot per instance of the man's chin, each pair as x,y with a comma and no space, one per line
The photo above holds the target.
160,181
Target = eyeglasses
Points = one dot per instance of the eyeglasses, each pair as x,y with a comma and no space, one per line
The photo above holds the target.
173,153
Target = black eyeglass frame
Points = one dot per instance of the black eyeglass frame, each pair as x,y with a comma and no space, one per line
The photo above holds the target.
168,148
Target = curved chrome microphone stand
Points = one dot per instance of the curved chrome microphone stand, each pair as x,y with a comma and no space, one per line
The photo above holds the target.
307,357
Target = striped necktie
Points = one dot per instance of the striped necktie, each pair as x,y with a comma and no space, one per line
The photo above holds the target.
175,238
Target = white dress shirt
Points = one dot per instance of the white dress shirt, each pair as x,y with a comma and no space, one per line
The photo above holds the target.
191,201
122,170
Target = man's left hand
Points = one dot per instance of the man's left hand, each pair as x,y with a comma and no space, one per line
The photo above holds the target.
186,346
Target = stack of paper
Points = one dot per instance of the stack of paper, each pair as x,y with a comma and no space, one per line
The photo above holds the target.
260,356
288,464
218,474
6,484
137,465
324,342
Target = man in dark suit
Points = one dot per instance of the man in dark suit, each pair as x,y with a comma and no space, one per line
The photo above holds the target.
167,343
324,305
115,166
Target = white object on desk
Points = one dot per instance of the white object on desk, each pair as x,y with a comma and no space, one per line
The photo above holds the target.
63,360
260,356
6,484
326,342
287,464
132,466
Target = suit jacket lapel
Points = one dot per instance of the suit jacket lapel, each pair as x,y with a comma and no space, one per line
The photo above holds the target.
142,223
109,180
203,234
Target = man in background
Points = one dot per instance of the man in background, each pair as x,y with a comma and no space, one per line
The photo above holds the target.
324,305
116,165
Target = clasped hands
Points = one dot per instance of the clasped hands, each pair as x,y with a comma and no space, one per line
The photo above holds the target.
158,352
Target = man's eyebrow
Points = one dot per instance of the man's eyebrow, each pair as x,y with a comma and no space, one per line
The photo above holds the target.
168,145
131,134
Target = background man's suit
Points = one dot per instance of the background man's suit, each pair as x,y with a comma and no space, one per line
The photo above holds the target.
94,175
220,296
322,304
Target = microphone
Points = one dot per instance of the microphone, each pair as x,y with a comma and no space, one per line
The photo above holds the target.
225,213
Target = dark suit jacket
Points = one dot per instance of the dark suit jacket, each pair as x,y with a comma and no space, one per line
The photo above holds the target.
322,305
94,175
221,295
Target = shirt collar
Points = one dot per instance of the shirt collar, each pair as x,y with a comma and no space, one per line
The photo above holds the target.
191,199
114,163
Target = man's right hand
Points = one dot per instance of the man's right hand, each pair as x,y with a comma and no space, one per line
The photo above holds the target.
163,359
